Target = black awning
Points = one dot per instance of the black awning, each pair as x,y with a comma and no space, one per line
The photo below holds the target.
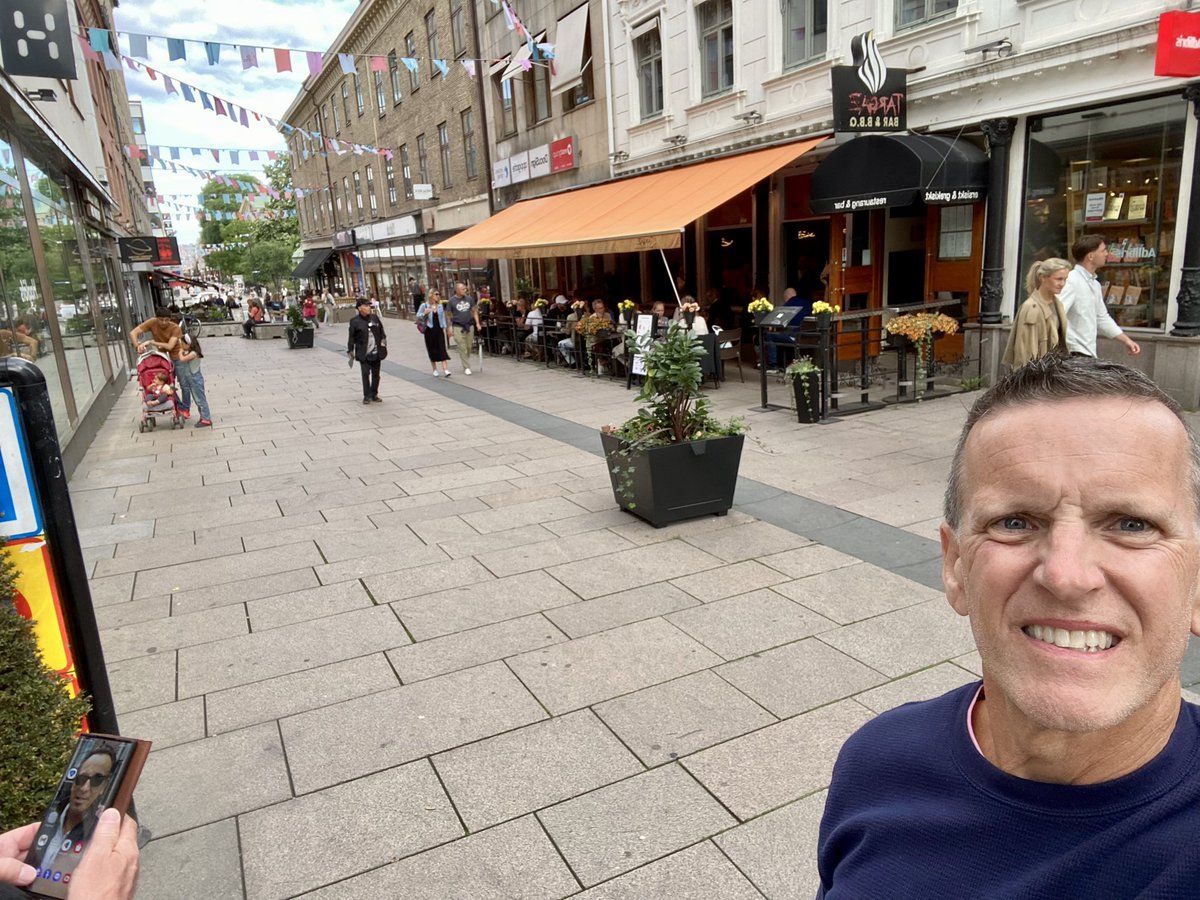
312,261
876,171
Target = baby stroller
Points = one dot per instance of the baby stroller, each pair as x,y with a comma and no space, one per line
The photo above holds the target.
149,365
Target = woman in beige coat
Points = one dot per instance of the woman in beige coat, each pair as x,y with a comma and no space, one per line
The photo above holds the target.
1040,327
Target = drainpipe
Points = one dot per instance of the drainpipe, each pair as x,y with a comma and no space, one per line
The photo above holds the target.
999,136
1187,320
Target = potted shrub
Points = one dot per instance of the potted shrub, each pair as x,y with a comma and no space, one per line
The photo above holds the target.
673,460
299,331
805,376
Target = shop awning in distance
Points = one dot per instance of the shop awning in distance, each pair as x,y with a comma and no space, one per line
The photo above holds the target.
646,212
312,261
875,171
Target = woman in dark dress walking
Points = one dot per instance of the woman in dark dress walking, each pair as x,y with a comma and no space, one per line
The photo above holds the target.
432,314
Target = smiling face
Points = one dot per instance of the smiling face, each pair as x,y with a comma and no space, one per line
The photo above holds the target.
90,782
1055,281
1076,560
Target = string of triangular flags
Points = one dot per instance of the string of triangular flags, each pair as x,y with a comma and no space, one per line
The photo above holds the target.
241,114
233,153
221,215
227,245
102,41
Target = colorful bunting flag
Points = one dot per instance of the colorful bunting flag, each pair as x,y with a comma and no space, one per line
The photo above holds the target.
175,48
187,93
88,53
379,64
314,62
441,66
283,60
347,61
111,61
169,85
137,45
98,38
205,101
409,63
220,107
469,65
249,57
214,52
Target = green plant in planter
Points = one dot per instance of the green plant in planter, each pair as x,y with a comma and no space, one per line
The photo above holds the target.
674,411
38,718
296,318
802,374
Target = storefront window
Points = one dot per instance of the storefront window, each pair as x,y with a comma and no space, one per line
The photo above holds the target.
1115,172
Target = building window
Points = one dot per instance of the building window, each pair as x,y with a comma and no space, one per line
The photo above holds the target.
954,232
346,191
506,105
458,31
406,172
410,47
716,46
358,95
394,75
914,12
346,102
371,201
444,152
583,92
139,125
380,94
468,132
389,173
431,37
805,30
358,195
537,93
422,160
337,125
1114,171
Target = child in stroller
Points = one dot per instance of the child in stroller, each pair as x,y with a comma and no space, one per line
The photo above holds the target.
156,385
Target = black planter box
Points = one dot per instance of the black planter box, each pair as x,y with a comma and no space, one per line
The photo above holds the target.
680,481
298,338
808,397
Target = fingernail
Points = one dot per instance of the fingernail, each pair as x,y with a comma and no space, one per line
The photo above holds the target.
27,875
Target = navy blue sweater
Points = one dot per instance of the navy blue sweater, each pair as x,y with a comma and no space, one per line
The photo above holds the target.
914,810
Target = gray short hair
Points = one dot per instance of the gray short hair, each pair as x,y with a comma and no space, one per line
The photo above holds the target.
1057,378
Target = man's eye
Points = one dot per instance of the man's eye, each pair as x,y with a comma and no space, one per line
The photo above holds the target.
1132,525
1014,523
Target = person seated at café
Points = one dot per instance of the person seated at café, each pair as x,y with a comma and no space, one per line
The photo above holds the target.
566,346
775,340
534,319
559,310
699,323
255,316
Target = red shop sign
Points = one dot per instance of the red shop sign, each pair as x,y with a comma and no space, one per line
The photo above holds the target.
1178,44
562,155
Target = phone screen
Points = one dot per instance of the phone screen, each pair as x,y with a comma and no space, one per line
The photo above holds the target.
87,788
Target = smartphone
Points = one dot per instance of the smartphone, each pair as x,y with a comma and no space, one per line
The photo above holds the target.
102,772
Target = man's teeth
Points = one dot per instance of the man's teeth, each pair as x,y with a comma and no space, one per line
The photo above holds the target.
1088,641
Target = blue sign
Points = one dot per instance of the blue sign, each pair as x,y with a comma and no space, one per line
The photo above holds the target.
20,514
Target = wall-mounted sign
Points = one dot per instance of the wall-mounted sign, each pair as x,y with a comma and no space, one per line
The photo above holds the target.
867,95
405,226
520,167
344,239
501,174
539,161
35,39
952,197
158,251
422,191
1178,45
562,155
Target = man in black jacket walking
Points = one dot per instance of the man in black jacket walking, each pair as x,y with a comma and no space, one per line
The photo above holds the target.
368,344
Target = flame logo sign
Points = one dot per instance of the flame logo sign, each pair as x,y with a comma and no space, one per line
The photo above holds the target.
864,53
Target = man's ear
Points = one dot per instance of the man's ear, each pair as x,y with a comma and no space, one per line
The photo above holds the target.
1196,606
952,579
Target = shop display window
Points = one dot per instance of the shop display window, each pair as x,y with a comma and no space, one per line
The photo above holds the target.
1112,171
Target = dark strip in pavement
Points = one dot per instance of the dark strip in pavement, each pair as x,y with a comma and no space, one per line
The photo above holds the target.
909,555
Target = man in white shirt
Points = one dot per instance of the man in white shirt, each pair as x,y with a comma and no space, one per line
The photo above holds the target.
1083,300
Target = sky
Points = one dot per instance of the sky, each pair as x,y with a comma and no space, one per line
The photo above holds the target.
172,121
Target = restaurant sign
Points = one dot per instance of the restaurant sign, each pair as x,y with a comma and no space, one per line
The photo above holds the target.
867,95
548,159
157,251
1178,45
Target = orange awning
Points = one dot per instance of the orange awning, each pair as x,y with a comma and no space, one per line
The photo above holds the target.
645,212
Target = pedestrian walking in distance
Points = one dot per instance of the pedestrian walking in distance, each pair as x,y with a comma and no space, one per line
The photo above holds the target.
464,311
367,343
433,321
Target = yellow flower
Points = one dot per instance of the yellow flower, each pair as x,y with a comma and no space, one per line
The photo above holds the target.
822,307
761,305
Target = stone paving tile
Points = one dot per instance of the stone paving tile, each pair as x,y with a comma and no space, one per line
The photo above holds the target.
131,612
605,665
267,533
161,635
185,523
145,556
519,514
544,554
639,532
810,560
747,541
513,540
206,781
632,568
111,591
196,599
230,569
619,827
458,609
533,767
415,484
671,720
514,861
291,648
798,677
381,563
400,585
778,851
403,724
435,531
856,592
971,662
612,610
510,497
907,639
465,649
287,695
739,578
700,872
592,521
739,626
142,681
327,836
791,759
166,725
99,535
307,605
203,862
349,496
429,506
923,685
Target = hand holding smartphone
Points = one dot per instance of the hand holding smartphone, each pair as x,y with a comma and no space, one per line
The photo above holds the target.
101,775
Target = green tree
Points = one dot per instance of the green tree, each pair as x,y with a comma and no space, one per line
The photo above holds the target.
268,261
218,230
282,227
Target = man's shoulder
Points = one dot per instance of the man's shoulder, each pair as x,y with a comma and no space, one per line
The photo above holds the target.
909,728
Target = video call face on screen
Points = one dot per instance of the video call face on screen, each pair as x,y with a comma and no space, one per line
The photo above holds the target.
87,788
